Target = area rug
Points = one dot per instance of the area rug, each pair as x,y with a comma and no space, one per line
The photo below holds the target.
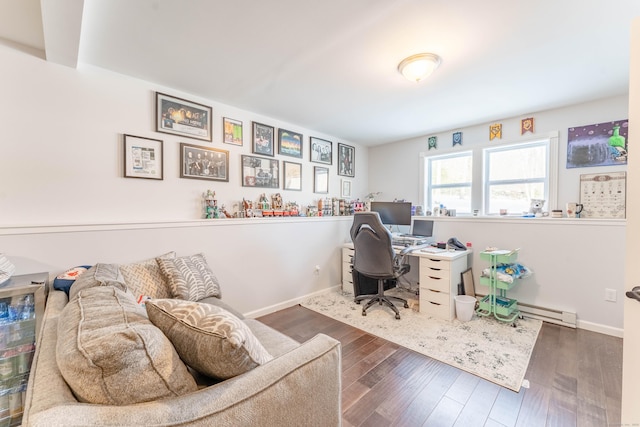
483,346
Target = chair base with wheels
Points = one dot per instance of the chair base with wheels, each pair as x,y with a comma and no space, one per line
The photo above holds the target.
381,298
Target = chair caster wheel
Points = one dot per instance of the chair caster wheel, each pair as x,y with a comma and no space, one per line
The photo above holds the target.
406,305
398,316
364,313
357,302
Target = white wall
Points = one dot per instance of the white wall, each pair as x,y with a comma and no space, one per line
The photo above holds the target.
396,167
61,149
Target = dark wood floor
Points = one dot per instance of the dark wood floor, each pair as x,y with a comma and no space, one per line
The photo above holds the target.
575,380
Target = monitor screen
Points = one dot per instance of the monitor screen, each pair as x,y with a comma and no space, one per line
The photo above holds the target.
393,213
422,227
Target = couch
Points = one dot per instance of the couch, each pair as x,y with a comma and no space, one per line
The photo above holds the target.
300,384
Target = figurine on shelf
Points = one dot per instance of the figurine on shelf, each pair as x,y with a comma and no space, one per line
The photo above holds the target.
210,204
276,201
247,208
263,202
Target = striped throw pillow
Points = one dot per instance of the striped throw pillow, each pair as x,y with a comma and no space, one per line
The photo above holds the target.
190,277
208,338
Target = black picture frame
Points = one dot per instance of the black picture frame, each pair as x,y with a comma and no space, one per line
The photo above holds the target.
320,180
143,157
260,172
290,143
182,117
320,151
346,160
198,162
468,284
291,176
263,139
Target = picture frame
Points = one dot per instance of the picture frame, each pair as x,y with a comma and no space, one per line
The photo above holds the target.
260,172
345,188
320,150
290,143
346,160
320,179
232,131
292,175
263,139
143,157
468,284
181,117
198,162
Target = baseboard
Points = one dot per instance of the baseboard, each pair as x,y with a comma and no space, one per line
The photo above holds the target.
602,329
289,303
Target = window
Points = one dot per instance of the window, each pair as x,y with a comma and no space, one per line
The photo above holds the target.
505,176
515,174
449,180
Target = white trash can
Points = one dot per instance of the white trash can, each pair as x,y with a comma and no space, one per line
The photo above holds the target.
465,306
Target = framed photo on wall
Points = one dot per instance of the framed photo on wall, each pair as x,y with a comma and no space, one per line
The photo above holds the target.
181,117
320,150
345,188
320,179
142,157
232,131
199,162
346,160
263,139
260,172
292,173
289,143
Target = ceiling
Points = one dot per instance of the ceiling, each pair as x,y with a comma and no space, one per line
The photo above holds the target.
331,65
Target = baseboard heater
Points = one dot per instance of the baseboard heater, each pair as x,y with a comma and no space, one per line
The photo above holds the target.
549,315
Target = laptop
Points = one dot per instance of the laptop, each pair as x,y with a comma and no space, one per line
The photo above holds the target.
421,233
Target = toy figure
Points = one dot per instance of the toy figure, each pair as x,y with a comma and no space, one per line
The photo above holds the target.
536,207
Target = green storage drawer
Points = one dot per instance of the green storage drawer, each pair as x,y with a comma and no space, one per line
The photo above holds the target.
504,310
486,281
501,256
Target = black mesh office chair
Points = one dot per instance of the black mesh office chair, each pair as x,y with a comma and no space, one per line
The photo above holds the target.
374,257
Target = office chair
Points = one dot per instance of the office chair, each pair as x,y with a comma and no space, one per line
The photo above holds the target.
374,257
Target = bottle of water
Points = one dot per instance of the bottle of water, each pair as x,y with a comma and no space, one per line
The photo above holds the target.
28,308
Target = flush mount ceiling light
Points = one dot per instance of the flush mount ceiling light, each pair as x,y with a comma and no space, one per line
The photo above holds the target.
418,67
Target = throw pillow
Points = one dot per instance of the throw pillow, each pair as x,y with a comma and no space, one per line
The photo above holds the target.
109,353
98,275
64,281
190,277
145,277
208,338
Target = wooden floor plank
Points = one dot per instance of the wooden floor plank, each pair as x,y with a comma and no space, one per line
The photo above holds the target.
575,378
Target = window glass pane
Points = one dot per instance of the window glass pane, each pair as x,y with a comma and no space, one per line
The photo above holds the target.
452,170
458,198
518,163
515,198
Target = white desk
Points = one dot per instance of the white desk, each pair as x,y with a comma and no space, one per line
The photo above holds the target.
438,278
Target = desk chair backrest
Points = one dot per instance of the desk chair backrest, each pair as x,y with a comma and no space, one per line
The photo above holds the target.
373,254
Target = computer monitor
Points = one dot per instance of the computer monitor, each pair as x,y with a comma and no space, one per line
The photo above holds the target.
393,213
422,227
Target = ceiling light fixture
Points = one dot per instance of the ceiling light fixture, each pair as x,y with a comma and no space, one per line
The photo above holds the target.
419,66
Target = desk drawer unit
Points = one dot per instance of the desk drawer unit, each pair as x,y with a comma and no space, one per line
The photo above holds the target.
439,280
347,278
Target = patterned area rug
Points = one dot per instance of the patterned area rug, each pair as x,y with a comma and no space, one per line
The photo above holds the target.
483,346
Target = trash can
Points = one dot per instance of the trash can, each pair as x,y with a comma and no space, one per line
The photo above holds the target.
465,306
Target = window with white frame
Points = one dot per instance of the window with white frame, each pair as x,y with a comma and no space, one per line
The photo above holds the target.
448,180
515,174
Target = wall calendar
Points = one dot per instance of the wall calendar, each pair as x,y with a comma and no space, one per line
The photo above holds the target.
603,195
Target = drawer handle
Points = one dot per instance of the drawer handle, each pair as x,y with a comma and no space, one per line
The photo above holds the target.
435,269
434,290
434,303
435,260
434,278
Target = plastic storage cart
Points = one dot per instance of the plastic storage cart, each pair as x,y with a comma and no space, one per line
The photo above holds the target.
496,303
21,308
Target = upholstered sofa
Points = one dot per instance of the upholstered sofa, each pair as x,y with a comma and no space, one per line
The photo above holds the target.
296,385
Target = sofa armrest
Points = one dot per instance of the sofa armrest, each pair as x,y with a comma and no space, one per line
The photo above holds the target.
301,386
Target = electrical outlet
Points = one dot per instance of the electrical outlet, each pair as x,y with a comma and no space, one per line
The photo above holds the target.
316,270
610,295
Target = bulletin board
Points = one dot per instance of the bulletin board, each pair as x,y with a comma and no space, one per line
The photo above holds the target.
603,195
